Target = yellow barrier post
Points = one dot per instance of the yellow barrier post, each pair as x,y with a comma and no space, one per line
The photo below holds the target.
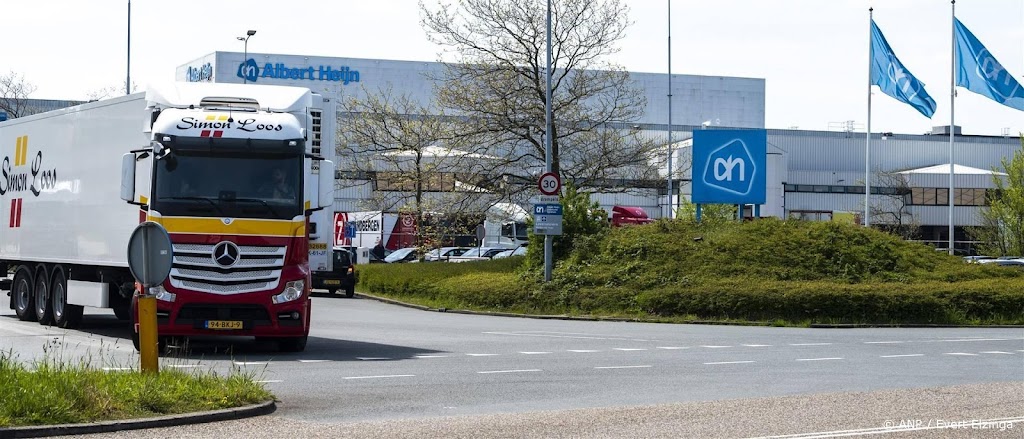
148,344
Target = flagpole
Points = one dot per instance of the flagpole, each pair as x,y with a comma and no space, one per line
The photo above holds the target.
867,143
952,125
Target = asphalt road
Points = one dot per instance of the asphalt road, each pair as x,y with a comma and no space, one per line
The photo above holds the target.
369,363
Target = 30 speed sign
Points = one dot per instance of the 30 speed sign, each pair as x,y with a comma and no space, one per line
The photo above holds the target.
549,184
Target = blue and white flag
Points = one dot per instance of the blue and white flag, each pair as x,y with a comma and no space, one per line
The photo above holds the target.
888,73
978,71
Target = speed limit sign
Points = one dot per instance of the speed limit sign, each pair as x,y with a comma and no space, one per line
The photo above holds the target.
549,184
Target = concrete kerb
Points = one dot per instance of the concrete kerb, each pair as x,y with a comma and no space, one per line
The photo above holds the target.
692,322
135,424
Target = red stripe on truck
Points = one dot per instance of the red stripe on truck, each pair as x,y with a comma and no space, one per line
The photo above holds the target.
14,205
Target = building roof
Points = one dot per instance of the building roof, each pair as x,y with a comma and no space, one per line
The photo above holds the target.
957,170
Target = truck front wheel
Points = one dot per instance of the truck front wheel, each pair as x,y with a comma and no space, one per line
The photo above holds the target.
21,294
64,315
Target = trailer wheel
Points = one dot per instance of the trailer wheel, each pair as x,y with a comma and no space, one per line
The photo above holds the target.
21,295
43,307
292,344
65,315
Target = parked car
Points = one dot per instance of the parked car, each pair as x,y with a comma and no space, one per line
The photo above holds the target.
977,259
407,254
519,251
478,254
343,276
443,253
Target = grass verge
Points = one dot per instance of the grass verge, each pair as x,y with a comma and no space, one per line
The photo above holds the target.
51,391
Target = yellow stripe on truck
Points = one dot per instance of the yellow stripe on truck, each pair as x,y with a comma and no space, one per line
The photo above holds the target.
240,226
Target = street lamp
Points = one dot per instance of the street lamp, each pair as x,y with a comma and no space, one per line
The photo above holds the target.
245,56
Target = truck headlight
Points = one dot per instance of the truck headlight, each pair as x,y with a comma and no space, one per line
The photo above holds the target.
292,291
162,294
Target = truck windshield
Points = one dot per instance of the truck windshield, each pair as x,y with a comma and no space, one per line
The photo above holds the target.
265,185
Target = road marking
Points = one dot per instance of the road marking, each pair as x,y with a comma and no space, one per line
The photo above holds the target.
672,347
372,358
116,369
819,359
757,345
510,371
376,376
810,344
883,342
998,352
992,423
562,335
182,366
621,367
583,350
729,362
313,361
430,356
714,346
964,354
975,339
902,355
630,349
269,381
481,355
534,353
250,363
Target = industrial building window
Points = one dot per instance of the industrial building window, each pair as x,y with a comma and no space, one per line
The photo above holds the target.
930,196
811,215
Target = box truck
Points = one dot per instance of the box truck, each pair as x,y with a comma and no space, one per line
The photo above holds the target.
230,171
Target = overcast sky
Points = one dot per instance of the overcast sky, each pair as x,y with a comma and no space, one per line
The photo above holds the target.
812,53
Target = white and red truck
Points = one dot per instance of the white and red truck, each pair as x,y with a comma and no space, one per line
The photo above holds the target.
232,172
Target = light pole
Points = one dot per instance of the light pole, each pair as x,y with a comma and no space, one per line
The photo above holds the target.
128,70
245,56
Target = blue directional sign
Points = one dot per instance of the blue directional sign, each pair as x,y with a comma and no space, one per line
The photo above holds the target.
729,166
547,219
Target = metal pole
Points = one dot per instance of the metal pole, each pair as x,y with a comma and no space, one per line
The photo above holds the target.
245,57
128,74
548,239
952,99
669,197
867,143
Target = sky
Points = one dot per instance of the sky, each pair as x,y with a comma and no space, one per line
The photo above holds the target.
813,54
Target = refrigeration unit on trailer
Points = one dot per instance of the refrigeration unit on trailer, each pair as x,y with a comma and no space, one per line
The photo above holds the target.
229,170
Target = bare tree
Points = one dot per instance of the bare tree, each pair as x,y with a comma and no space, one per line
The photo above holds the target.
891,211
497,82
14,92
110,92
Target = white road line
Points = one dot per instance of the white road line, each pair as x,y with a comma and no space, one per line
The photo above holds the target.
621,367
993,423
757,345
534,353
810,344
182,366
116,369
269,381
672,348
250,363
430,356
714,346
963,354
313,361
819,359
975,339
376,376
510,371
553,335
902,355
372,358
997,352
583,350
883,342
481,355
729,362
630,349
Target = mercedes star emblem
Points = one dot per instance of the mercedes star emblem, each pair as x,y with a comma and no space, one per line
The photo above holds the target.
225,254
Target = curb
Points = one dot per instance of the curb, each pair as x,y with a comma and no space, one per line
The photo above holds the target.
691,322
135,424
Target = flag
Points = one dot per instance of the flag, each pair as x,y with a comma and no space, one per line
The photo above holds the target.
888,73
978,71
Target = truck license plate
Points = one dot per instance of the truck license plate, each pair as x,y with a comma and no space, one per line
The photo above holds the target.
332,282
223,324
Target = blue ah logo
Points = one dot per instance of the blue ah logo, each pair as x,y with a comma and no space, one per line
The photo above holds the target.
249,70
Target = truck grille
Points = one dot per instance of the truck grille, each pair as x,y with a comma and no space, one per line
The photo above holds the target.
257,268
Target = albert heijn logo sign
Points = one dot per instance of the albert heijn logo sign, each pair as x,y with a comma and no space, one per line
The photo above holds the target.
729,166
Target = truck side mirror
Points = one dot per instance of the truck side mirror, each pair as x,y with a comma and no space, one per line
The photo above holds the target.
326,183
128,177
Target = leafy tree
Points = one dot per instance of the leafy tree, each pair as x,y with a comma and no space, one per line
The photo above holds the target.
14,92
710,214
583,223
1002,230
497,84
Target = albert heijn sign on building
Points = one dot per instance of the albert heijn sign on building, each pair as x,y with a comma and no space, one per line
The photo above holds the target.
729,166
